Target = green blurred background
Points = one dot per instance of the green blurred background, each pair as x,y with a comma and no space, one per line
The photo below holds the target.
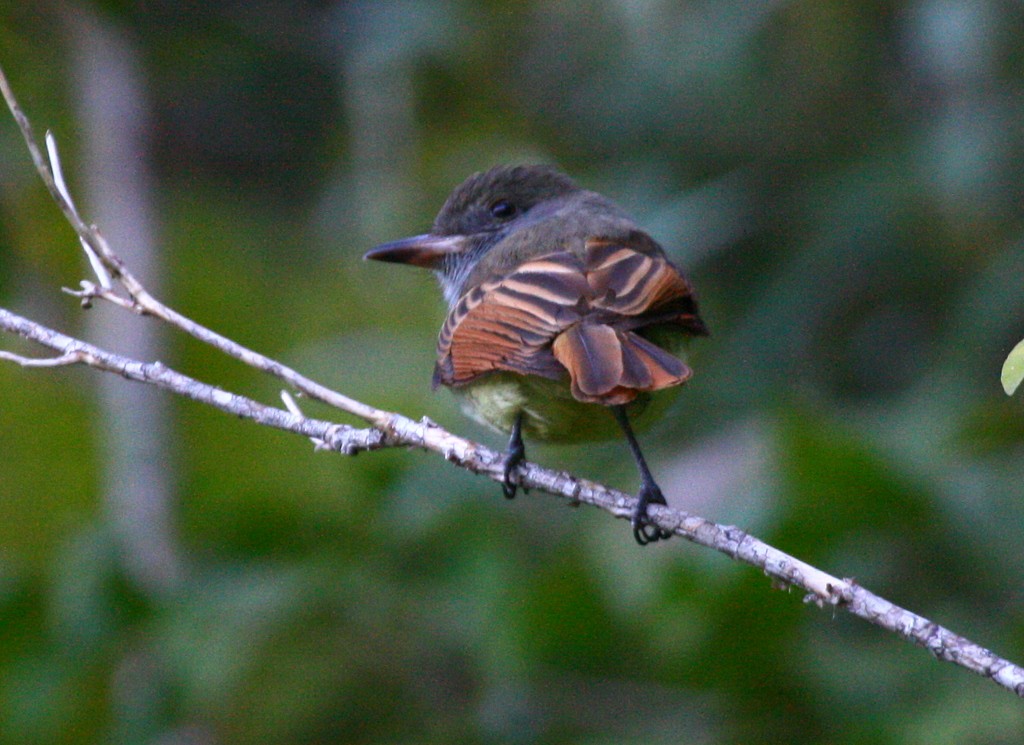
842,181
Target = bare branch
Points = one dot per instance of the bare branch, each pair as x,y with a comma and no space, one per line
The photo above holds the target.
58,180
90,291
394,430
71,358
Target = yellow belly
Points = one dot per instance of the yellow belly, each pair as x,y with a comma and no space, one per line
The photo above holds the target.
549,410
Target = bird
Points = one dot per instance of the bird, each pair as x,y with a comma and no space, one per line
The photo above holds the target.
564,317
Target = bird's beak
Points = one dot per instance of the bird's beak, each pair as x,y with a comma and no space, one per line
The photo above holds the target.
425,251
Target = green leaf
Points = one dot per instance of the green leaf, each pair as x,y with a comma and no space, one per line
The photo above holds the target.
1013,369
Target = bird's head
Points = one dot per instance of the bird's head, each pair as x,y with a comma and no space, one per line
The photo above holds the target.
476,216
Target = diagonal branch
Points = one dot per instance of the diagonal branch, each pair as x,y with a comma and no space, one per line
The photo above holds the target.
390,429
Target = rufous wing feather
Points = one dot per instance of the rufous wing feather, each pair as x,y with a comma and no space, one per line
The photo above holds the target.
608,366
593,356
509,323
641,286
664,369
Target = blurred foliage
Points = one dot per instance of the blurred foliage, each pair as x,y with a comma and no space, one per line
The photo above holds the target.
1013,369
842,181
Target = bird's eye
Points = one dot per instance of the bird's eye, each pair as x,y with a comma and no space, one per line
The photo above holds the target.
503,209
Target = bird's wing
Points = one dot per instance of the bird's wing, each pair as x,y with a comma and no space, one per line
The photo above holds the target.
510,322
564,313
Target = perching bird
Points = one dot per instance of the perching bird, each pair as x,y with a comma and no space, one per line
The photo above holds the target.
559,307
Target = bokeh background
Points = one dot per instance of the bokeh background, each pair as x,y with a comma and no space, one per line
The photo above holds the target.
841,179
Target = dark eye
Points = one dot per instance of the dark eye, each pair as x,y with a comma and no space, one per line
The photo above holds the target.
503,209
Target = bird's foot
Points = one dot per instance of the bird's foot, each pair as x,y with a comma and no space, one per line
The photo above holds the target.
643,530
514,455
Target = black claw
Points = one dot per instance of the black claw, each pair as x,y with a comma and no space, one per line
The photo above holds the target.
643,531
645,534
514,455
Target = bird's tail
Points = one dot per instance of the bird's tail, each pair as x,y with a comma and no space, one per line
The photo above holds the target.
610,366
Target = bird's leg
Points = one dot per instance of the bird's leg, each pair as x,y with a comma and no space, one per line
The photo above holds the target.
649,493
514,455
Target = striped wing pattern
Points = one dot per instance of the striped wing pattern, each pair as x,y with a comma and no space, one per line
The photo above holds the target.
561,313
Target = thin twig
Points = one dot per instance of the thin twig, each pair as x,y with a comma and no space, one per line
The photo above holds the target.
71,358
394,430
289,403
58,181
